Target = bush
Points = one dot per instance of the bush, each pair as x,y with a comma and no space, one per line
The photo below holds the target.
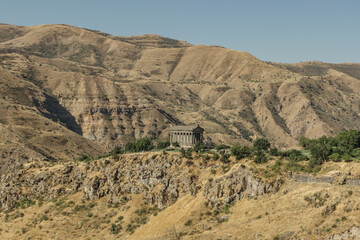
225,158
142,144
346,157
240,152
336,157
356,153
186,153
221,147
188,223
296,155
130,147
199,147
261,144
274,151
293,167
163,145
277,166
215,157
306,142
176,144
115,228
260,157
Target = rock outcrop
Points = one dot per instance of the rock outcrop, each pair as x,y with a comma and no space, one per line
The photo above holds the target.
161,178
236,185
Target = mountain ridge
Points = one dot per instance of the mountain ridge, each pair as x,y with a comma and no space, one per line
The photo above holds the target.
121,88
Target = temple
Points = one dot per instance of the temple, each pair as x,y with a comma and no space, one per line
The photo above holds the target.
186,136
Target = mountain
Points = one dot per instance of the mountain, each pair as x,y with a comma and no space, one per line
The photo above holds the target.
108,90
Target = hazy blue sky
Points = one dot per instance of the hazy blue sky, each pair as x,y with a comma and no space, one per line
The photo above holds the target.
272,30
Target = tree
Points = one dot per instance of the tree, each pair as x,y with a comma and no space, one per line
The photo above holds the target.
143,144
305,142
261,144
239,151
274,151
320,151
260,157
349,140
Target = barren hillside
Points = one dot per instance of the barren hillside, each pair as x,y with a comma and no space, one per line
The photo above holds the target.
108,90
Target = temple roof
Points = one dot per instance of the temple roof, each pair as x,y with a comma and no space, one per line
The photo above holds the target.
184,128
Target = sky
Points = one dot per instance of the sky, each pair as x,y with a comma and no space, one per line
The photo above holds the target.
271,30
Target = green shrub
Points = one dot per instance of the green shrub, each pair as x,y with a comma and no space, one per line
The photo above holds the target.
199,147
336,157
306,142
116,150
163,145
261,144
346,157
221,147
260,157
293,167
130,147
215,157
144,144
274,151
225,158
115,228
141,145
239,151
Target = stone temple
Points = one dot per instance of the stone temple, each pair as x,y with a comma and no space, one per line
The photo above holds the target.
186,136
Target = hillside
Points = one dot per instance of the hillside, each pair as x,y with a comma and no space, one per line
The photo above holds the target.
166,196
115,89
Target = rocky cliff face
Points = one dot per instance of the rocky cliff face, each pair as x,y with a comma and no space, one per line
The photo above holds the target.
161,178
236,185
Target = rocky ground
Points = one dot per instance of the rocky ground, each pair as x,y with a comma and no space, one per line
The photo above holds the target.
165,196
